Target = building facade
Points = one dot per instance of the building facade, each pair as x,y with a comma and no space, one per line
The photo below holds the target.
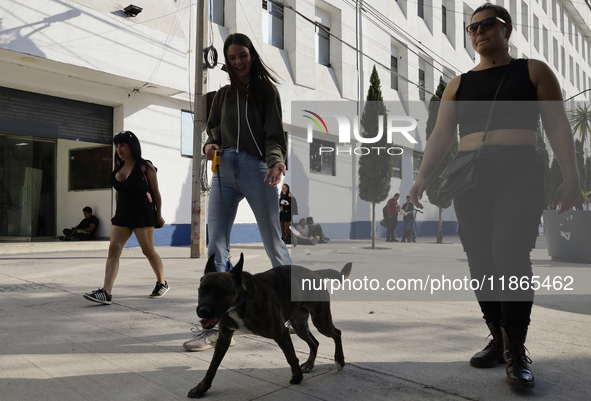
76,72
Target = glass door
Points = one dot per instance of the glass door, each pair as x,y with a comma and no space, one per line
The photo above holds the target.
27,188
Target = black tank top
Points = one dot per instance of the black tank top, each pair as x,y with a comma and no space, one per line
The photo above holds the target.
516,106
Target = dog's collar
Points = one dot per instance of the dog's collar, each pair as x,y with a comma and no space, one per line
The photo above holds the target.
241,302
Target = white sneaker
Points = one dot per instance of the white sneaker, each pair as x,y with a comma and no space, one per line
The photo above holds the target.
203,339
315,240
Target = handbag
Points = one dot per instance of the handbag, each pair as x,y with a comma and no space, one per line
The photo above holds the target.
462,173
384,223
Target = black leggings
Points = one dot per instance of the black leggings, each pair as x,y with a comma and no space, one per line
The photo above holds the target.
498,224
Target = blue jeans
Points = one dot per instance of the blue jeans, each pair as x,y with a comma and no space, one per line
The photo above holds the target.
242,177
408,222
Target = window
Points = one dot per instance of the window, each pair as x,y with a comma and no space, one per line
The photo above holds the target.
563,59
322,163
570,32
555,53
90,168
524,24
394,74
216,11
545,43
578,73
536,33
273,23
571,69
555,12
545,6
397,166
417,159
465,34
443,17
513,7
563,17
421,8
422,83
323,24
323,45
186,133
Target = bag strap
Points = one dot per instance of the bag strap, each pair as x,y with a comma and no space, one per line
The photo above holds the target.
143,168
492,106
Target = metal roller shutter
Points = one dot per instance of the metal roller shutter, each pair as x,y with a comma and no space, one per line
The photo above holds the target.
54,117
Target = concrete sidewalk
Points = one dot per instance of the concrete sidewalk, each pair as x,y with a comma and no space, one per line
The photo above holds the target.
54,345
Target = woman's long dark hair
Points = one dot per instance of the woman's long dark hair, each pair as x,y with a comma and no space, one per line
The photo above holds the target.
288,189
262,77
130,139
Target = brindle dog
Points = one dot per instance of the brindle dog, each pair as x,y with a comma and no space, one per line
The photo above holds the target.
261,304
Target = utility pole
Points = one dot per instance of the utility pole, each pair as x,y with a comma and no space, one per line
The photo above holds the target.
199,120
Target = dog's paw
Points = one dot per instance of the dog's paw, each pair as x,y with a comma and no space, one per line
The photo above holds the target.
307,367
339,365
198,391
297,379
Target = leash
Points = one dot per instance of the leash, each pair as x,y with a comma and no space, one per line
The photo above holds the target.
215,168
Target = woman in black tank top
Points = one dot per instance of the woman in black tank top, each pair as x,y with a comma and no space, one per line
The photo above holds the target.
136,184
498,218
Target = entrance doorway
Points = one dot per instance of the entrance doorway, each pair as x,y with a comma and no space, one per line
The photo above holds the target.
27,187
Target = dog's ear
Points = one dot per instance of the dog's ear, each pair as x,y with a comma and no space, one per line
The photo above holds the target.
237,271
210,266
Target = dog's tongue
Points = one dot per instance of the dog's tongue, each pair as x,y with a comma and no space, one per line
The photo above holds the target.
208,323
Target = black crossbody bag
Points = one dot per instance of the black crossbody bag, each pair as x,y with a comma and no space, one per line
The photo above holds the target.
462,173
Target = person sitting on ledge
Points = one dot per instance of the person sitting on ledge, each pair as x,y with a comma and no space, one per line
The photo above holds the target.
85,230
316,230
301,235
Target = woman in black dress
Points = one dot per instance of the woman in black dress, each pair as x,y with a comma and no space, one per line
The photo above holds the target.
285,200
136,185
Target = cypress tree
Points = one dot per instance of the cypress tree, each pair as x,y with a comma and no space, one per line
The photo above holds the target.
375,169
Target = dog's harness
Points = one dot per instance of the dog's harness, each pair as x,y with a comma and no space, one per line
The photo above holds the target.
241,303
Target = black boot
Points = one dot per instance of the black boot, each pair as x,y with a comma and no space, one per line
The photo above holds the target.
492,354
518,372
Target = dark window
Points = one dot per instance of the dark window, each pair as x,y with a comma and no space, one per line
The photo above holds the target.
275,23
397,166
421,10
421,84
216,11
90,168
444,20
322,162
465,34
394,68
323,45
417,159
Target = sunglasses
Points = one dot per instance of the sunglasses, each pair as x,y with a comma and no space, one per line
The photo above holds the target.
486,24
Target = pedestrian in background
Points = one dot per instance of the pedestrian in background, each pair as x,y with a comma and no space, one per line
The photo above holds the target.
391,215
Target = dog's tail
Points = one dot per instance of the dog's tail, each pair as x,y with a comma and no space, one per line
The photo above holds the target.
333,274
